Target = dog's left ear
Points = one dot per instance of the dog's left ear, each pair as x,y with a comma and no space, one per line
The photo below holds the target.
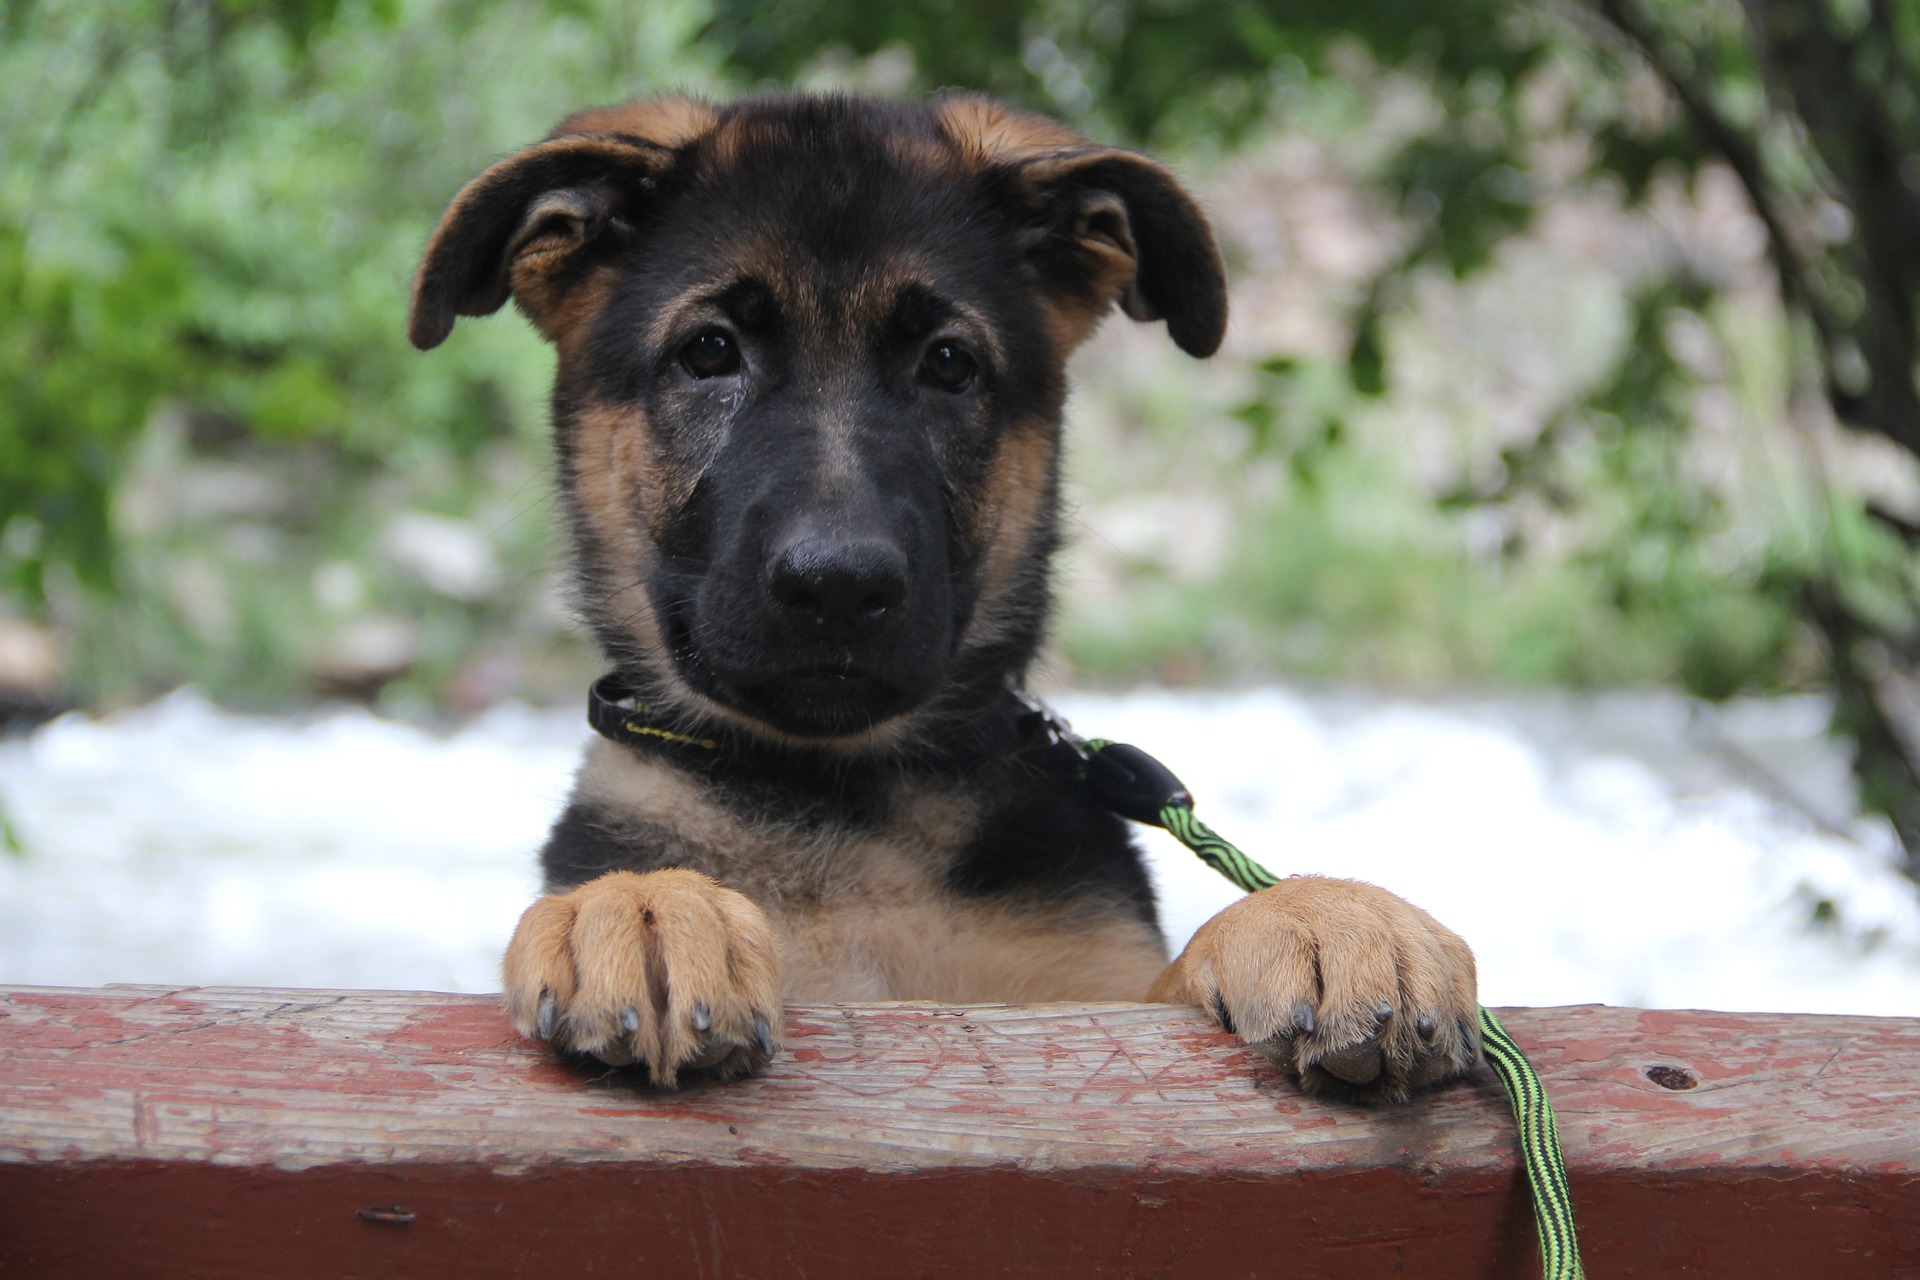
1103,226
523,228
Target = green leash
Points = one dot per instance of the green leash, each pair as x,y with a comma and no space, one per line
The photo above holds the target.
1135,785
1539,1150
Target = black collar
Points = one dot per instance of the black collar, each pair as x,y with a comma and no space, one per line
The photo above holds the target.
1015,726
617,713
1011,724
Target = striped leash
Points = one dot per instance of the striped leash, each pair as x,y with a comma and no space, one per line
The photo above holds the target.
1135,785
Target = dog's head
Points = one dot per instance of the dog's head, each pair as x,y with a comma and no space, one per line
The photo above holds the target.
810,379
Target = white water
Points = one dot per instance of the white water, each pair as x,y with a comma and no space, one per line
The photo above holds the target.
1629,849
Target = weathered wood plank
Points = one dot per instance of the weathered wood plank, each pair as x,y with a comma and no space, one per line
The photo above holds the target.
239,1132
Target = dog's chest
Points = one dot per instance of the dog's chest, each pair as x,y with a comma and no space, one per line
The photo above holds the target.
872,914
896,932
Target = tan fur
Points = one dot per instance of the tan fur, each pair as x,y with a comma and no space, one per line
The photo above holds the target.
623,782
1345,951
1343,982
617,468
868,917
425,326
784,867
1071,319
633,962
932,947
633,490
564,317
642,134
1010,510
1105,239
613,466
724,146
666,121
539,961
986,133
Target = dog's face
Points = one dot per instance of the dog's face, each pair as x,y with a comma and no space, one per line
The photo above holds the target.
810,379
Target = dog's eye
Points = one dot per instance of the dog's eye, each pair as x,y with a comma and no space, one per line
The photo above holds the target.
710,353
948,366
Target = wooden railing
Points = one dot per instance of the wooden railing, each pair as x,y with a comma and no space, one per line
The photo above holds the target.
227,1133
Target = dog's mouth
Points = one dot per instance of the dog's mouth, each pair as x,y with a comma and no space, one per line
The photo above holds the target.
819,700
820,703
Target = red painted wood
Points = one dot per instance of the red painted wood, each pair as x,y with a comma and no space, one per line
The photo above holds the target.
148,1131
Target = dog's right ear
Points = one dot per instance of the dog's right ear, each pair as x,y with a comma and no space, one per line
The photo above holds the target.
1104,227
521,228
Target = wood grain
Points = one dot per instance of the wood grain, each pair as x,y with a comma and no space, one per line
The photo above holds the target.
160,1131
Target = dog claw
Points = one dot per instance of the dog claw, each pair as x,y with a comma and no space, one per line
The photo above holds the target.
1426,1026
701,1017
1303,1018
1221,1015
549,1010
763,1034
630,1019
1383,1010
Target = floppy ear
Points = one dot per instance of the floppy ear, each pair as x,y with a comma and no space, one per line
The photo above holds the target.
522,228
1103,226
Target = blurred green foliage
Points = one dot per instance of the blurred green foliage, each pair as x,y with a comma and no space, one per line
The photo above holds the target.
1167,72
208,216
218,457
1812,105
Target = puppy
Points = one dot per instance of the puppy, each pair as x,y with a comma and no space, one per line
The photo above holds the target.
808,415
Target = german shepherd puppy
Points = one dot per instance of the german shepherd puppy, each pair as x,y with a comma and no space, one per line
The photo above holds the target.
808,414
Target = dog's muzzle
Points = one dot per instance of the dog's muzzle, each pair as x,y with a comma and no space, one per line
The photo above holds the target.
833,631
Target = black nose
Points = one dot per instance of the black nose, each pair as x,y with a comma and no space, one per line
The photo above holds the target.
842,587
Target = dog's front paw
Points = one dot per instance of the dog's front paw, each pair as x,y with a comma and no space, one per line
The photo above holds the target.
1362,994
664,968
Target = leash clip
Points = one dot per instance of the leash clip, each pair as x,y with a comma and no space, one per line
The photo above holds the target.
1122,777
1133,784
1049,724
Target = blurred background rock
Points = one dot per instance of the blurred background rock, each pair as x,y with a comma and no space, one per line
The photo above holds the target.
1574,343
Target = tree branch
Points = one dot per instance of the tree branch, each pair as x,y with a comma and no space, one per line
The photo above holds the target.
1838,88
1798,286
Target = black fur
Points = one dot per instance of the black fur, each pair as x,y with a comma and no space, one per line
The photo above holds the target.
588,841
832,182
817,498
1051,843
